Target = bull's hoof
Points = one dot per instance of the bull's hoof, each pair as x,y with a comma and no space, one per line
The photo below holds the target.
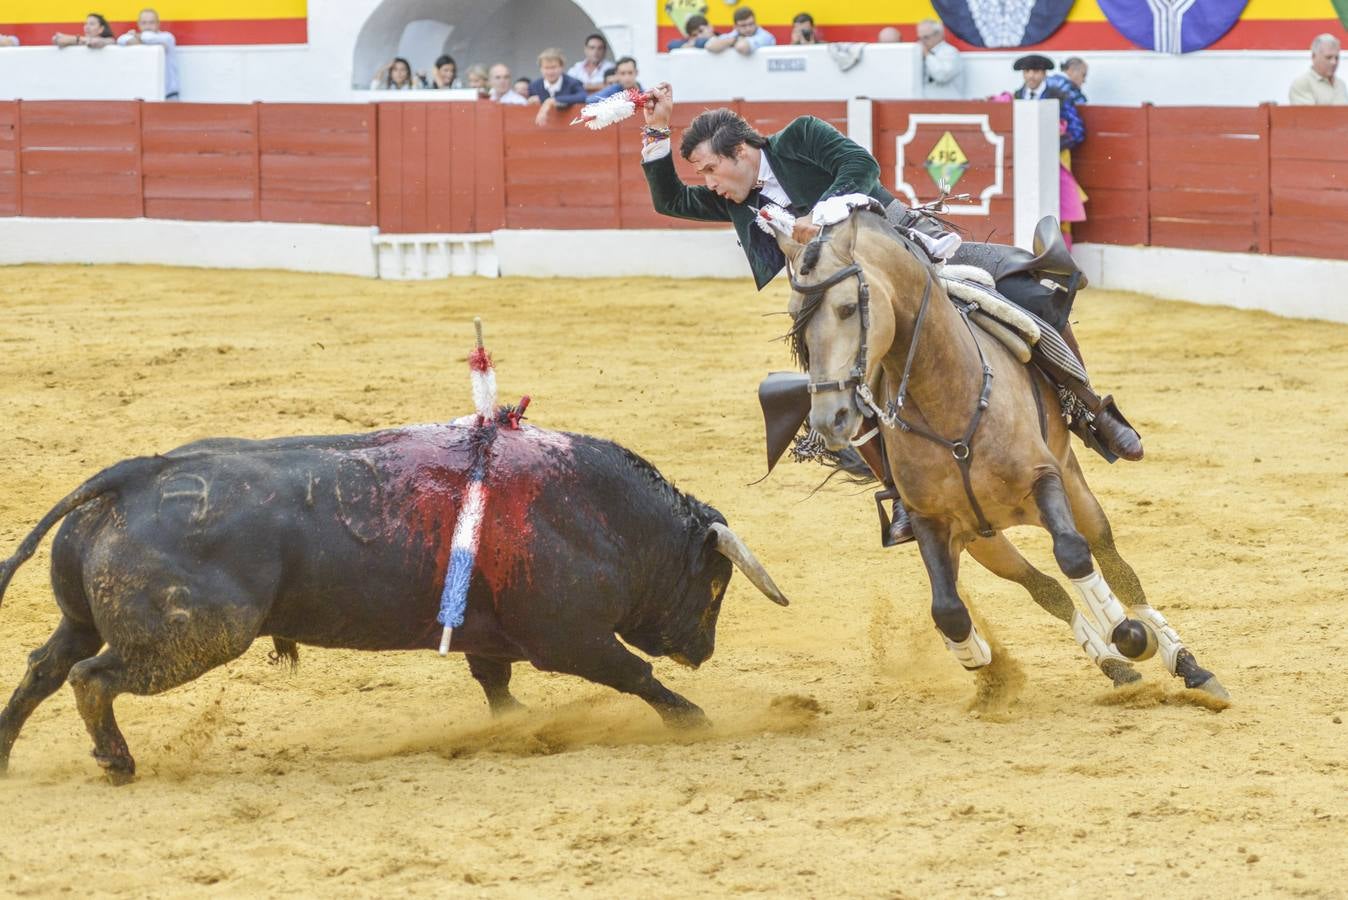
690,719
1214,687
503,709
119,770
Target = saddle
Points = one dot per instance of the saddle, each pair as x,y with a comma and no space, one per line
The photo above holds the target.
1044,281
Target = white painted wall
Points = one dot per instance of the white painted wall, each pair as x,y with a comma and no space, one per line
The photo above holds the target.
1284,285
885,71
223,245
81,73
666,253
1034,126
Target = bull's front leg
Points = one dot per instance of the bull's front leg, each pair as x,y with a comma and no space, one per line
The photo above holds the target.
494,676
606,661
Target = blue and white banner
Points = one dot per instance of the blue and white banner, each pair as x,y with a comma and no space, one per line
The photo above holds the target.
1003,23
1172,26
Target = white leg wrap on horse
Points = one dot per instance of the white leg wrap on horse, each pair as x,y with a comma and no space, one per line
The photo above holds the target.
1098,650
973,652
1104,607
1167,638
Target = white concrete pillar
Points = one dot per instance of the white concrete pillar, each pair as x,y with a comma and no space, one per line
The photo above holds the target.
860,127
1035,160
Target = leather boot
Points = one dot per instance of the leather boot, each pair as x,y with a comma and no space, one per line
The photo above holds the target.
900,529
1115,433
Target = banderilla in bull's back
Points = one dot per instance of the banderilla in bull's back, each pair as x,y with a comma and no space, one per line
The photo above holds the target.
487,536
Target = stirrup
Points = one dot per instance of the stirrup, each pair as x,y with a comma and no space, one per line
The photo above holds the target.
887,522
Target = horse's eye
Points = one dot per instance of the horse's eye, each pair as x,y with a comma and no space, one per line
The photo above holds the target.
848,311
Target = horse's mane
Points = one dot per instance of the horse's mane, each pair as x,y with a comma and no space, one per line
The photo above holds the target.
809,259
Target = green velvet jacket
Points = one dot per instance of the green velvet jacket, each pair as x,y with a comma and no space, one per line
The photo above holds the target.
810,158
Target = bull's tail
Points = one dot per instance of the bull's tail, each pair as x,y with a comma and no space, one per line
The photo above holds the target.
107,480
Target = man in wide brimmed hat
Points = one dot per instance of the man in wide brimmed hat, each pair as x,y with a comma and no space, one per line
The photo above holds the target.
1035,68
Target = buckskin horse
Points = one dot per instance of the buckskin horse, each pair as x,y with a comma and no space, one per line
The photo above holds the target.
969,441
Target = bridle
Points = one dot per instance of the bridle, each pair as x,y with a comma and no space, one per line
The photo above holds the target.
890,416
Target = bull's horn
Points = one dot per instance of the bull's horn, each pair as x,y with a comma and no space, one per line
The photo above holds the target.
729,545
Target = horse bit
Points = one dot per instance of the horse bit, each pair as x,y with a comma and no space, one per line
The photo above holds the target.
962,449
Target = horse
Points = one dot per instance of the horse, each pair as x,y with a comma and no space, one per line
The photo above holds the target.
971,442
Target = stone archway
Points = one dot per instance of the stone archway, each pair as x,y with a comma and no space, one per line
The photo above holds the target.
471,31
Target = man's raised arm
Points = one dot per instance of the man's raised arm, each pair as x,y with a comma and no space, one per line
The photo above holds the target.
669,194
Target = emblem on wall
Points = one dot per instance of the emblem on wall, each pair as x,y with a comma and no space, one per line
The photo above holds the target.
950,148
1174,26
1003,23
679,11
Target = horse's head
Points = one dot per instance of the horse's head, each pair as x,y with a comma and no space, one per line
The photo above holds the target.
842,322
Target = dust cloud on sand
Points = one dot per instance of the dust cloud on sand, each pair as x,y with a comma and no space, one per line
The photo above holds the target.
850,755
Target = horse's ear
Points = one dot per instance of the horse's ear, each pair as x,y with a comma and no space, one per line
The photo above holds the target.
790,249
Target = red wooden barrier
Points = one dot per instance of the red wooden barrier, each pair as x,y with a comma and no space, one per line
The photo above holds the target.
891,123
1209,178
1309,181
319,163
81,159
10,197
200,161
1112,167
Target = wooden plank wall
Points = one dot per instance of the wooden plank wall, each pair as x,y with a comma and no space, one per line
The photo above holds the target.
1112,167
318,163
81,159
1309,181
10,198
890,120
200,161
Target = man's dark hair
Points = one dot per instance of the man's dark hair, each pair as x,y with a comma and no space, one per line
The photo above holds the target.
803,17
624,59
600,37
611,70
694,23
724,128
743,13
447,60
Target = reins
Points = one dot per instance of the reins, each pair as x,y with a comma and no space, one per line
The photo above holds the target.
962,449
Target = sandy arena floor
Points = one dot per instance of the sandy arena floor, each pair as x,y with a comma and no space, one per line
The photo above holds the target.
846,758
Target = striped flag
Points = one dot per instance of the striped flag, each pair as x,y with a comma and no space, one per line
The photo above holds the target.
189,21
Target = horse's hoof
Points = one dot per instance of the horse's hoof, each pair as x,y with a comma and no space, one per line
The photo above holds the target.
1119,672
1214,687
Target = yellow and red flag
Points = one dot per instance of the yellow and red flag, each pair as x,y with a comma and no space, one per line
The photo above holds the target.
1264,24
190,21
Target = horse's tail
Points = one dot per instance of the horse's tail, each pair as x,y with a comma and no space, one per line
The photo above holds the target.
107,480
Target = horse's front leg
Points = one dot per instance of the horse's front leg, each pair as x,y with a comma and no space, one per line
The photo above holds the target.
941,557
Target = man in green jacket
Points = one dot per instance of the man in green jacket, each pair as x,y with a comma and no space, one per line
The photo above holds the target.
799,167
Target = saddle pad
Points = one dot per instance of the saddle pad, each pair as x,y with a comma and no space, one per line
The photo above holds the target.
1009,315
1013,342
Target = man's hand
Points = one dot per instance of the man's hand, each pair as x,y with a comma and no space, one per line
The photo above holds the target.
544,110
659,108
132,36
744,47
804,232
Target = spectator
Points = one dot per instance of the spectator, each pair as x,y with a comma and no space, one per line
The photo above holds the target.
1317,86
625,77
889,35
97,33
478,81
747,36
590,70
1071,132
698,31
444,76
554,89
501,92
394,76
942,67
803,30
8,40
148,33
1071,79
522,88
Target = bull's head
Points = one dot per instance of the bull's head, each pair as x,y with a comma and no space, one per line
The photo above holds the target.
721,548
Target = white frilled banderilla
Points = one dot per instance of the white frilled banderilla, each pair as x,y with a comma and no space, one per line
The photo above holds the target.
468,527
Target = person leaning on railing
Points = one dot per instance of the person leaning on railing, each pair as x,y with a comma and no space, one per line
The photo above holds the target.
8,40
148,33
97,33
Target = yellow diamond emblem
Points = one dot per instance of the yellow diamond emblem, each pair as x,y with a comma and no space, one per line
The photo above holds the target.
946,163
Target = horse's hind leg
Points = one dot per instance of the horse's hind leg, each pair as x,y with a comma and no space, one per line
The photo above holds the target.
1000,557
940,557
1111,627
48,667
1121,577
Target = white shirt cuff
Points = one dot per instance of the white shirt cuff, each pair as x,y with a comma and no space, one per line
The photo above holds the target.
655,150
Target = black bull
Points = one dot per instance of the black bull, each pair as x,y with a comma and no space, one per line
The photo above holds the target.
178,562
